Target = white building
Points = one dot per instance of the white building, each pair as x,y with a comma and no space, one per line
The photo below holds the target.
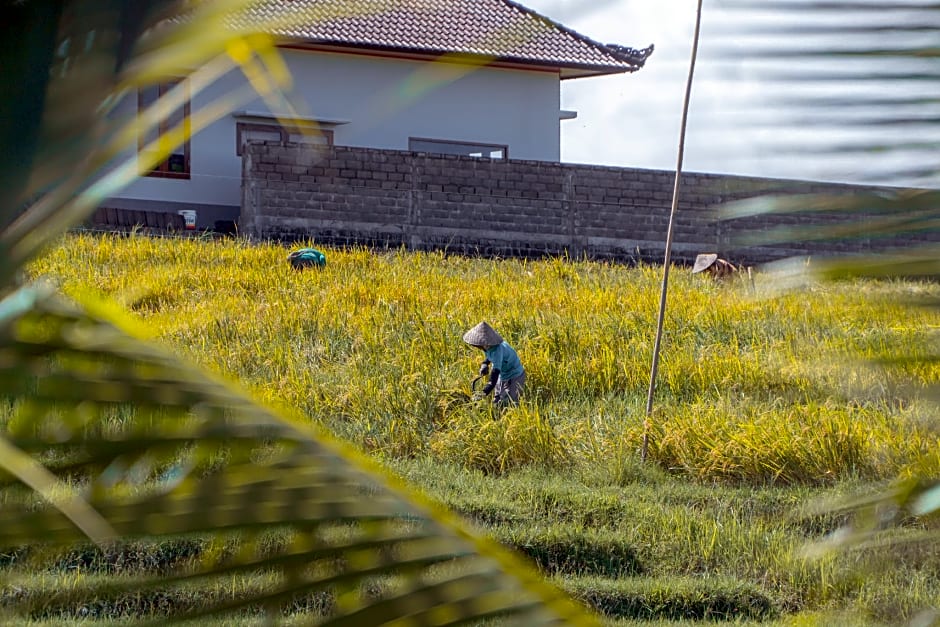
472,77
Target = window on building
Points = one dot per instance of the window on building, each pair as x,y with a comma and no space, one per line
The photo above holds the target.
169,132
264,131
468,149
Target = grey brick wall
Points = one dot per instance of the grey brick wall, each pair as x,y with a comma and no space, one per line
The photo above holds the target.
338,194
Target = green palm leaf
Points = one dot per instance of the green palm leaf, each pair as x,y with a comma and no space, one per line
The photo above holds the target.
118,439
876,61
199,457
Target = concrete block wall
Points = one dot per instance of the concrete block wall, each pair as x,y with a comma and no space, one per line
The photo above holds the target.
337,194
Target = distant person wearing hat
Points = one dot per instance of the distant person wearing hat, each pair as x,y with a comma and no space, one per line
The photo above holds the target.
507,375
712,265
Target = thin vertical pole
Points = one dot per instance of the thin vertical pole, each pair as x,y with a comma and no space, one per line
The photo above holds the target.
672,216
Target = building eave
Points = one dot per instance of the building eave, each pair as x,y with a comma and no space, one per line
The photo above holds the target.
564,70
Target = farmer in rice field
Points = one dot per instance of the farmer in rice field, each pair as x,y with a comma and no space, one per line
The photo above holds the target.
712,265
507,375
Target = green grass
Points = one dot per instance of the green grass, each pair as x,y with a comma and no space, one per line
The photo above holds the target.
762,405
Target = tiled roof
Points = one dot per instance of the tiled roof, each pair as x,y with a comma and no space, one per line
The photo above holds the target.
495,29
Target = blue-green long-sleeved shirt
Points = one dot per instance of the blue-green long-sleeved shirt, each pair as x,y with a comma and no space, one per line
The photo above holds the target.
504,358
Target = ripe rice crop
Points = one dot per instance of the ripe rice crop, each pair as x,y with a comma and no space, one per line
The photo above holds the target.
753,389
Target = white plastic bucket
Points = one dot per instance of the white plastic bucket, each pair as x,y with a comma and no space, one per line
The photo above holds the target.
189,215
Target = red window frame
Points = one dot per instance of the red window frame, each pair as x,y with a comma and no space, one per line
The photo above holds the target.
177,165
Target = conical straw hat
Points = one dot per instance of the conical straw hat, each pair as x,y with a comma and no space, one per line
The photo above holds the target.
703,262
482,335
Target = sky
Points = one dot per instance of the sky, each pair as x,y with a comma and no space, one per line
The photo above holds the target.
627,119
735,116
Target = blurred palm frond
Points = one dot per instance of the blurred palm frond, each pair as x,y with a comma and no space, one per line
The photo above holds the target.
196,456
114,437
854,83
849,87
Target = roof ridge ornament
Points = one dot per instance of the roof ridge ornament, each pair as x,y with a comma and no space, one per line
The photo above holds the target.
630,55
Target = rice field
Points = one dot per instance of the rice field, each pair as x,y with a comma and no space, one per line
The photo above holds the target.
765,401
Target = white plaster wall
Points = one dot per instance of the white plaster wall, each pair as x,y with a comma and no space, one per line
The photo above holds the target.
385,101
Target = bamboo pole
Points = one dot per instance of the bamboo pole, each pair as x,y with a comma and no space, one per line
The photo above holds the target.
672,215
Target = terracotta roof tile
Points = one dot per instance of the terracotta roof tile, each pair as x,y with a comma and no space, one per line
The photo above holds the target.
499,29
